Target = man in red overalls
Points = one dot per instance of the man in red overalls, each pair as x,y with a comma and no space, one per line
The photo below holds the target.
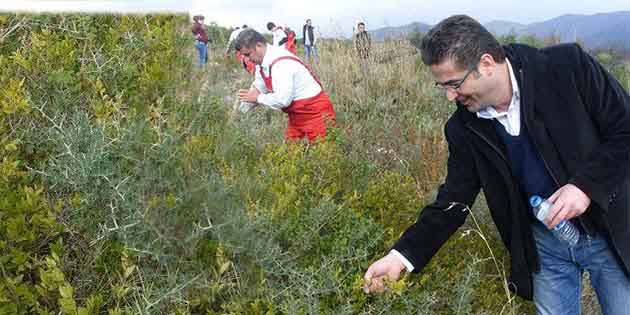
283,82
247,65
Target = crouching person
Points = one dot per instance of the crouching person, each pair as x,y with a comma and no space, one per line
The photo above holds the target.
283,82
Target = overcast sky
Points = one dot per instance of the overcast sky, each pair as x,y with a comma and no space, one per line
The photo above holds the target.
339,16
122,6
334,17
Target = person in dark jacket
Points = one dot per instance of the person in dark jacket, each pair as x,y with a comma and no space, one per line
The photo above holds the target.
309,40
551,122
201,39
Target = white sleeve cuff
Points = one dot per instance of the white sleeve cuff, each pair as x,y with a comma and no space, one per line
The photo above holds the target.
402,258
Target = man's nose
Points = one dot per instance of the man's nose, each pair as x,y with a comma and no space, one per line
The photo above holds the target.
451,94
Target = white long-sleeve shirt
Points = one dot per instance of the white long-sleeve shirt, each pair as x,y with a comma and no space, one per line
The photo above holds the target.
510,119
233,37
290,80
278,35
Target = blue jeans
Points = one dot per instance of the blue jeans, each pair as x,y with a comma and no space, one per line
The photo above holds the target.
558,285
203,52
310,51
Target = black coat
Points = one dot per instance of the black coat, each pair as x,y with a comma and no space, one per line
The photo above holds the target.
308,31
578,117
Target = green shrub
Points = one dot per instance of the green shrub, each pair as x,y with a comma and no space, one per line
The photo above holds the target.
130,185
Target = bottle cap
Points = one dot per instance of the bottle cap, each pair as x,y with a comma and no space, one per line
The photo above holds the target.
535,201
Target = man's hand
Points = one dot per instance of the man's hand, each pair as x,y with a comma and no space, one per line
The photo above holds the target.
568,202
250,96
388,267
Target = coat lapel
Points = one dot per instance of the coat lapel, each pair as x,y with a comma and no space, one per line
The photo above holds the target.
536,127
489,143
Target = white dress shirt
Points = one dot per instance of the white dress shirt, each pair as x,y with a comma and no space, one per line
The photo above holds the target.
290,80
510,119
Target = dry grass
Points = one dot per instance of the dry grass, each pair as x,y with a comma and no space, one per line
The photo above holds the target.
391,114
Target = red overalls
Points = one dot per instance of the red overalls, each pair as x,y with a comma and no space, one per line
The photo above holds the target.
307,117
290,45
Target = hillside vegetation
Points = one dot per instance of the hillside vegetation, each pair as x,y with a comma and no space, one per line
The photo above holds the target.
129,184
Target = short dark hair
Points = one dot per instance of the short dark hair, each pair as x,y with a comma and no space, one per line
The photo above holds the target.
244,25
308,20
462,39
360,23
270,25
248,38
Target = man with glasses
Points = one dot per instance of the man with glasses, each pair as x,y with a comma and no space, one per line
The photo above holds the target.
453,84
283,82
549,122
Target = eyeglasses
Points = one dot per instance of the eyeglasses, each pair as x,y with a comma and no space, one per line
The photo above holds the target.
246,53
453,85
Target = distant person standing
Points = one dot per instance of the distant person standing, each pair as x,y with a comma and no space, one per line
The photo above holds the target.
279,36
232,39
201,39
363,45
309,40
283,82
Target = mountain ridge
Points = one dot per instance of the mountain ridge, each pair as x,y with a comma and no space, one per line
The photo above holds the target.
609,30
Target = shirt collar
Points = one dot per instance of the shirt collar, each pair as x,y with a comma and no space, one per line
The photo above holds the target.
490,112
269,57
272,53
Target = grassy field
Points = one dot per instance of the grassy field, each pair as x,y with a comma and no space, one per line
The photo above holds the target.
130,184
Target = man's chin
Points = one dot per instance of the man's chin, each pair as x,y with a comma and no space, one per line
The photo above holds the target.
472,108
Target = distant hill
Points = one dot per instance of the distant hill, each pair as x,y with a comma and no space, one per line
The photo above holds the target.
596,31
505,27
398,31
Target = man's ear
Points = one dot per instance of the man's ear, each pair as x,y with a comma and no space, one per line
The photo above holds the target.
487,64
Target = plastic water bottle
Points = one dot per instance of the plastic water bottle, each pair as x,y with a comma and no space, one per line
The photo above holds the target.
564,231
